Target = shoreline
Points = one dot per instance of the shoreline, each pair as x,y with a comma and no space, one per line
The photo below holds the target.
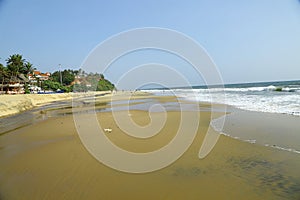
28,102
32,101
275,130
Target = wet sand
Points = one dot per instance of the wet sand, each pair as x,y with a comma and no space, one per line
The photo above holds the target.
47,160
268,129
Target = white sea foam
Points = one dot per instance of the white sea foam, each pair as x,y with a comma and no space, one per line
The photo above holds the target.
271,99
268,98
282,148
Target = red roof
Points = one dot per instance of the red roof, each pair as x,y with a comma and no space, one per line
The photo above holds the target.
36,72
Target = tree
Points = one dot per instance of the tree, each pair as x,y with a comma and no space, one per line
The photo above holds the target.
3,71
81,72
68,76
92,82
101,76
105,85
54,86
80,88
27,68
15,63
3,75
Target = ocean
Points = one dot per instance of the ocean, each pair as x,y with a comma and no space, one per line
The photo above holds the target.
271,97
264,113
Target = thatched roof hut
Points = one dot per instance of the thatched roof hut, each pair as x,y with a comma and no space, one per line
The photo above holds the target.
12,84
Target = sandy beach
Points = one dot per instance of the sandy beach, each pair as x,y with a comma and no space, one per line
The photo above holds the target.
13,104
47,160
150,100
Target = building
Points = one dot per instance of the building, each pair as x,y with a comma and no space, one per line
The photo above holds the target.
37,75
16,84
13,85
35,80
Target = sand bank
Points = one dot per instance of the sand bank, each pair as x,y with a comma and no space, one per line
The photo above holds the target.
47,160
13,104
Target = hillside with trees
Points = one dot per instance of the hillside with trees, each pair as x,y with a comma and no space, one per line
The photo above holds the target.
91,82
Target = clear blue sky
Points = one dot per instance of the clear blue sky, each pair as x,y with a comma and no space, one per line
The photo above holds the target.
250,41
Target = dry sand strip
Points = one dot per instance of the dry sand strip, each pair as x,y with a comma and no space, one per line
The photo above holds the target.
47,160
13,104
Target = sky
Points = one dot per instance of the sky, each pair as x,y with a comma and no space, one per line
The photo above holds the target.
249,41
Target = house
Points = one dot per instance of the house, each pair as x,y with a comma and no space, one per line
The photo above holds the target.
77,80
13,85
16,84
35,80
37,75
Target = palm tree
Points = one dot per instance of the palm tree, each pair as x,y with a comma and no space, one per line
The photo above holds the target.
3,75
2,70
15,63
27,68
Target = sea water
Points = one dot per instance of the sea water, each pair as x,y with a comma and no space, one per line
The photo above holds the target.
267,113
272,97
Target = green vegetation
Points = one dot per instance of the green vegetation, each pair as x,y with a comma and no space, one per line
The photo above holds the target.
15,65
104,85
77,81
60,81
92,82
68,76
17,70
55,86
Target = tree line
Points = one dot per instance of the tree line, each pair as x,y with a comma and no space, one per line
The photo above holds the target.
17,69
